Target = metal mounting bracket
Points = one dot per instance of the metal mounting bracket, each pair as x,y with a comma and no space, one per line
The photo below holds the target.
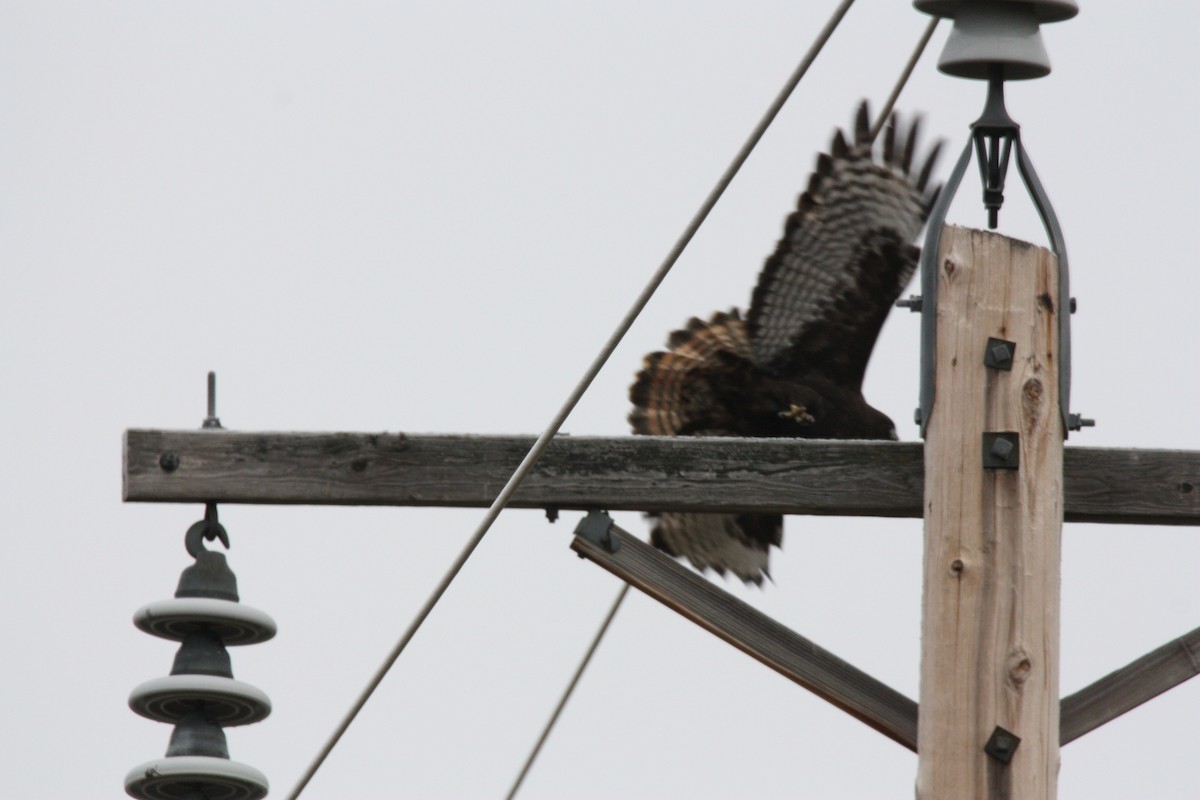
994,136
596,527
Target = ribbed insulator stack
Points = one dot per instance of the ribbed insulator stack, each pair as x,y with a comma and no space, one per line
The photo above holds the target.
200,697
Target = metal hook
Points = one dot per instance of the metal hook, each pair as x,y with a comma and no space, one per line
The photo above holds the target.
208,528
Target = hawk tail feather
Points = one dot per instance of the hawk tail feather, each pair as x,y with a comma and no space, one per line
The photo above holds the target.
666,396
737,543
672,396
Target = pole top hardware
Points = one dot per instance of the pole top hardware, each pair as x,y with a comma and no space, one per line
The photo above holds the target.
596,527
994,40
1043,10
997,33
209,528
211,420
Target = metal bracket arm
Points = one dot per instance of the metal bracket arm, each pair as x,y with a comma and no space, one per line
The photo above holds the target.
993,137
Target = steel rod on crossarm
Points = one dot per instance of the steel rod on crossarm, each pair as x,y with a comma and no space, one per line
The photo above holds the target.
594,369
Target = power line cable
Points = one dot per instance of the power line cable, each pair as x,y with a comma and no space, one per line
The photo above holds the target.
905,73
587,657
884,113
535,452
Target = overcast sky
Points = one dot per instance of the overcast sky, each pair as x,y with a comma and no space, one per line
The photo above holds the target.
427,217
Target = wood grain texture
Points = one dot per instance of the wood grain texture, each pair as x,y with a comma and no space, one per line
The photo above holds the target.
1127,688
575,472
990,623
883,479
757,635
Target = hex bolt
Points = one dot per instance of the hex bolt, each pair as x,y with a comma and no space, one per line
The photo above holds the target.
999,353
1002,745
1077,422
1001,450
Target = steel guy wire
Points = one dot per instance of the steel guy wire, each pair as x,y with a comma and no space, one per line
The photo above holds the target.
539,446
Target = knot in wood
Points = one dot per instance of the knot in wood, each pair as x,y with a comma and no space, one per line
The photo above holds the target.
1033,400
948,267
1020,665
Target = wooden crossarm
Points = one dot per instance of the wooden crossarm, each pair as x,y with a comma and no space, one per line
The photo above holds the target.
876,479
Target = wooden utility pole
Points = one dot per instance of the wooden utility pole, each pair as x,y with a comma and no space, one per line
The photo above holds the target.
989,704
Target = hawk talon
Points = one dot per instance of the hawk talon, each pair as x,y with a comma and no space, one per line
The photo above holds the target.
798,414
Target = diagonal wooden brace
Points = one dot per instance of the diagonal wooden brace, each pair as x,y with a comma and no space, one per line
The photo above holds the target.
847,687
757,635
1128,687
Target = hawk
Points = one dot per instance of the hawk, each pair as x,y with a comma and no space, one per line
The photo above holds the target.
793,365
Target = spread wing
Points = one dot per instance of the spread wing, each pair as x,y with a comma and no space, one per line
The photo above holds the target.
845,256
